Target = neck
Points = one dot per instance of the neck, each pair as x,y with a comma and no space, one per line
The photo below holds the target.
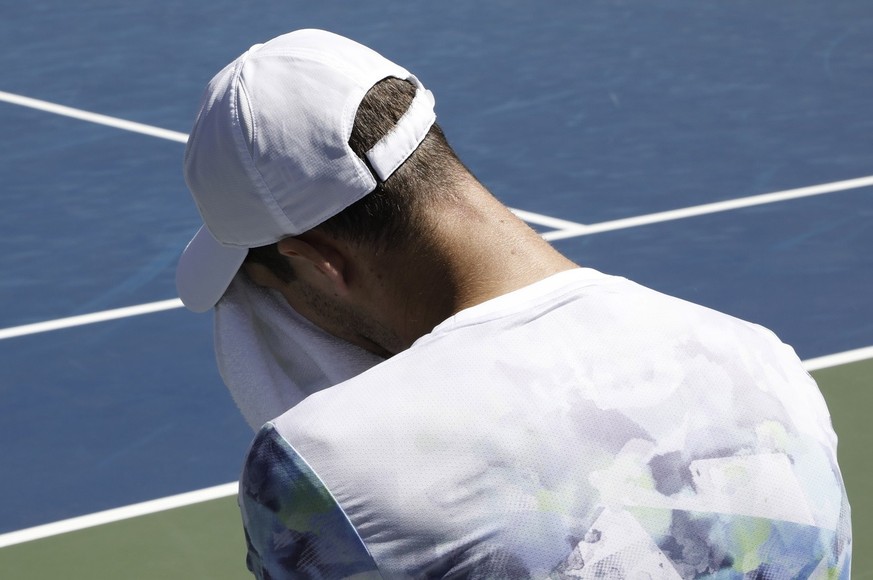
477,250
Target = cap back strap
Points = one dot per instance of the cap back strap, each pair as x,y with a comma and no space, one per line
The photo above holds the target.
393,149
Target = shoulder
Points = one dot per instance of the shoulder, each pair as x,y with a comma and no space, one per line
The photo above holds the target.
291,520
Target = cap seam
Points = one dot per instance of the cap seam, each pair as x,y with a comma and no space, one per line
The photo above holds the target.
248,154
363,173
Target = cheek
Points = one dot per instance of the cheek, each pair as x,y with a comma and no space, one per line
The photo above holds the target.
334,317
312,306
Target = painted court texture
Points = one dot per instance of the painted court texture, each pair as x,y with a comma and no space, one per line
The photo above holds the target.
716,151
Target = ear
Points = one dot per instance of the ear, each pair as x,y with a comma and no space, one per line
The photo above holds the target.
316,254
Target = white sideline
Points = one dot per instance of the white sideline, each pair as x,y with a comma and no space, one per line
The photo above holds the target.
544,220
117,514
93,117
840,358
228,489
91,318
708,208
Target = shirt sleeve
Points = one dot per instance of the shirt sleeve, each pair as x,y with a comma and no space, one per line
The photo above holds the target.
293,525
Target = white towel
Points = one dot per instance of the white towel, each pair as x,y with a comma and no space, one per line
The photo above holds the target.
271,358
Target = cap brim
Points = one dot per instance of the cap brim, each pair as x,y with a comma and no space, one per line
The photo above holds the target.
205,270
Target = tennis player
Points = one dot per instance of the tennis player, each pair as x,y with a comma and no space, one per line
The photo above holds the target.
531,418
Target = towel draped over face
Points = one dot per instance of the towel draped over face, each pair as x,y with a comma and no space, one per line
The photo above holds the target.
271,358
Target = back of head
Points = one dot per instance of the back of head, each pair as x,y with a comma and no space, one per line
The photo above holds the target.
393,213
273,153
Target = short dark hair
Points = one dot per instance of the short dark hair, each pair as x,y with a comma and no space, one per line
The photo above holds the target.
391,214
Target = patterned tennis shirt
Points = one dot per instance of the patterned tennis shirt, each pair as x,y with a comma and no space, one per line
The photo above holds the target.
581,427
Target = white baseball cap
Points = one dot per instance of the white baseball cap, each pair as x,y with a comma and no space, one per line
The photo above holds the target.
269,155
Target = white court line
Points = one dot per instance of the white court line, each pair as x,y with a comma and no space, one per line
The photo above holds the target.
708,208
92,318
228,489
118,514
93,117
841,358
544,220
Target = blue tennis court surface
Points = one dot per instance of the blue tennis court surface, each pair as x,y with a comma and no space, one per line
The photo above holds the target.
583,111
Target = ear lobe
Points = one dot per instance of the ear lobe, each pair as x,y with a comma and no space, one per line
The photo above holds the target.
322,256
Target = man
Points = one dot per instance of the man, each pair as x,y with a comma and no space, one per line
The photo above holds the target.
531,418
